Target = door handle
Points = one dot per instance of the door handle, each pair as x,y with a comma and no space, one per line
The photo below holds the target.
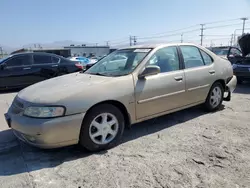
54,66
26,68
178,78
211,71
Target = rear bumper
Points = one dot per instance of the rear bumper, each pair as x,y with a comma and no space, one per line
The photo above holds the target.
230,87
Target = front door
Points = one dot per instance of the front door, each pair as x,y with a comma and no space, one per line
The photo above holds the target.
164,91
199,72
17,71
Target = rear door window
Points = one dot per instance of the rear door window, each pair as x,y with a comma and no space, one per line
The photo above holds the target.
22,60
207,59
55,59
191,56
42,59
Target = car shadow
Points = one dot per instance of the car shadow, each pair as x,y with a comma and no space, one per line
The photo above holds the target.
17,157
243,88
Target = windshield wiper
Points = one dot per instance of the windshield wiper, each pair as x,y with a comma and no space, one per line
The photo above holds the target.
97,73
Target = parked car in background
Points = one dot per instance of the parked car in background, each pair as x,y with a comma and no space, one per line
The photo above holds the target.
23,69
83,61
239,57
93,107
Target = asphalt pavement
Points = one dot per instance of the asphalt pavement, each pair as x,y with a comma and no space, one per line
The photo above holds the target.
190,148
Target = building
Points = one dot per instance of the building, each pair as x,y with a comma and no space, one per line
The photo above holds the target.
62,52
88,51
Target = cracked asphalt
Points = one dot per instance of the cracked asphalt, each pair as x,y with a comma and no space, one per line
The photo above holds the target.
189,148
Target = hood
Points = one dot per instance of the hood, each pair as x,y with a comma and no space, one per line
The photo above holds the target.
244,42
56,89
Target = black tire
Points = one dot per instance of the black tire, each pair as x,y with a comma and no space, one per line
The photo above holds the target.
208,106
85,139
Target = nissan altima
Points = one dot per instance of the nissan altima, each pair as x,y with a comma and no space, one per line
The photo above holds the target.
128,86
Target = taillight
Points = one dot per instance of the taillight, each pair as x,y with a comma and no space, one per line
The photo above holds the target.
79,65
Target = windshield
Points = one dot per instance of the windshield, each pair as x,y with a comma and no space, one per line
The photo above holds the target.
220,51
119,63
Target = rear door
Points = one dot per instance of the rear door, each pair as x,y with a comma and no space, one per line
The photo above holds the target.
199,72
45,66
17,72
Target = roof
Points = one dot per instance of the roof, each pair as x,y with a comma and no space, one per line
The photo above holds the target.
157,45
22,53
86,47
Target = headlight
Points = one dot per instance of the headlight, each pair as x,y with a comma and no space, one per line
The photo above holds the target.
44,112
234,66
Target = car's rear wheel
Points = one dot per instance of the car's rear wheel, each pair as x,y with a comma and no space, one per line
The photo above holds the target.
102,128
215,97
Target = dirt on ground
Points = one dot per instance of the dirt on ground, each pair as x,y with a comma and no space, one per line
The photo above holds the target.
189,148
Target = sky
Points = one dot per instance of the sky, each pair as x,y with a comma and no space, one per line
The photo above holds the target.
96,21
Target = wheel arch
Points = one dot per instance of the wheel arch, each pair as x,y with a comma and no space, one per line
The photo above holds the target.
117,104
222,82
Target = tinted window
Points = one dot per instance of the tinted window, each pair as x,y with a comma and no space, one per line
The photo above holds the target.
55,59
207,59
192,57
166,58
19,61
42,59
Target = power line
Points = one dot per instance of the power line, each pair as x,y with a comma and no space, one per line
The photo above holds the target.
222,21
175,34
219,26
172,31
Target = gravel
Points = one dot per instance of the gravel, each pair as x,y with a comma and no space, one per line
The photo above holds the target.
189,148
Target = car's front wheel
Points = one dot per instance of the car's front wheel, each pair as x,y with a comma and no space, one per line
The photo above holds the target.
215,97
102,127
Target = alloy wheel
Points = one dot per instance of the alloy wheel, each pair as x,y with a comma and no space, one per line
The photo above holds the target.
104,128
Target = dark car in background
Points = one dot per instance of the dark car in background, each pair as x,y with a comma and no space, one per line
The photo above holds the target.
239,57
23,69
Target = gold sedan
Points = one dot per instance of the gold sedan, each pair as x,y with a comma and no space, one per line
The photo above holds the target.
128,86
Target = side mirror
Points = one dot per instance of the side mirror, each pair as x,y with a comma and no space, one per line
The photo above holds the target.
149,70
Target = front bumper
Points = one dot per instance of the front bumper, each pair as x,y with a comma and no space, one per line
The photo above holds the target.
230,87
46,133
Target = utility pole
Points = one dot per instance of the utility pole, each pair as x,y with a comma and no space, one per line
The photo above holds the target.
182,38
232,38
107,43
130,40
202,29
244,21
135,41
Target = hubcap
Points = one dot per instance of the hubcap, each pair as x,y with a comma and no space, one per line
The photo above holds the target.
103,129
216,96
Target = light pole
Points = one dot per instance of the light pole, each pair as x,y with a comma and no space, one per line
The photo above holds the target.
243,28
